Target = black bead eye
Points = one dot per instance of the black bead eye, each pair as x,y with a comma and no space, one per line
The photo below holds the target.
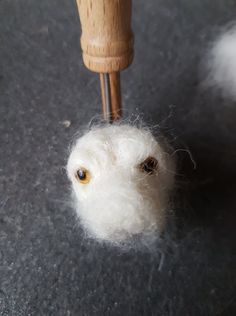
149,165
83,175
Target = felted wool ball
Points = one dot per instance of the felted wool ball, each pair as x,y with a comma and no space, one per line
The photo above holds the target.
121,179
221,63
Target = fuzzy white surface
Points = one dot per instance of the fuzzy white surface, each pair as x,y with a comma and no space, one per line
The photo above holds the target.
120,200
222,63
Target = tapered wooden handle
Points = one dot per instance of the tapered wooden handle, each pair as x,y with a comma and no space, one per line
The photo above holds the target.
107,38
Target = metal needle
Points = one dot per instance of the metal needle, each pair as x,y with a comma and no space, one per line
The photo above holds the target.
107,93
111,96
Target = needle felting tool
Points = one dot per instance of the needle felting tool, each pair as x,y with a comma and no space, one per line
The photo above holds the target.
120,174
107,46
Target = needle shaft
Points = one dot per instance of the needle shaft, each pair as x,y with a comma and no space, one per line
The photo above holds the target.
111,96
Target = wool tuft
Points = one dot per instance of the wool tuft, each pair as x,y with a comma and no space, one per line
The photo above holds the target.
221,63
121,179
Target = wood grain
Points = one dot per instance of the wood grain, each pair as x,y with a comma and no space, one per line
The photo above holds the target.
107,38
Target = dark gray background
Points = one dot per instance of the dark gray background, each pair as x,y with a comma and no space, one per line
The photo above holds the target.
47,266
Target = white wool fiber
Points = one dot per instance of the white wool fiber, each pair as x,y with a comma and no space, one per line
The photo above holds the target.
121,200
221,63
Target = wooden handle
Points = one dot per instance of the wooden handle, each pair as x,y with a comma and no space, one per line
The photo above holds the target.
107,38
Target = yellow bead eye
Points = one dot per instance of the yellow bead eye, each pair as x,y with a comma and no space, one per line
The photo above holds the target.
149,165
83,176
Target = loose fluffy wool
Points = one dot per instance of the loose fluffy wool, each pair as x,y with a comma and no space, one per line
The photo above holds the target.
121,200
221,63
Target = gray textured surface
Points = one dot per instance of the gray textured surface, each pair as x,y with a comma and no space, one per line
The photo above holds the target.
47,267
